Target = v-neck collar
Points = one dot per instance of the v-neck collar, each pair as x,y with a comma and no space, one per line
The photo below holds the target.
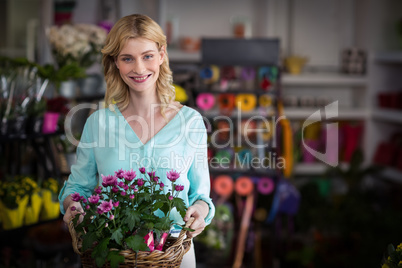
153,137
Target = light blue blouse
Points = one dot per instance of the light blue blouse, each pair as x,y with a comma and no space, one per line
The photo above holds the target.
108,144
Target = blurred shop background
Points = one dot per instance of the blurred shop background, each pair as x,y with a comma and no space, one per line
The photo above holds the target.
323,191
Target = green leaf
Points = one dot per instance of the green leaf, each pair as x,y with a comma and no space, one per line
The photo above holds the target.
132,219
117,236
88,240
158,205
115,258
100,252
136,243
180,206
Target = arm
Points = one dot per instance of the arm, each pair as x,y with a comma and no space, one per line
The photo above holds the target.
83,177
201,206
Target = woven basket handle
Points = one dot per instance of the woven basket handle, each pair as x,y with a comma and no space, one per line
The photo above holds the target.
183,232
73,236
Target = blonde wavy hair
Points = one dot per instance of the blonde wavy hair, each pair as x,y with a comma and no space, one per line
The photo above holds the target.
134,26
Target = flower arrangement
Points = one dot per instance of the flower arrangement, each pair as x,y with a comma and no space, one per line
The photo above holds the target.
79,43
122,214
394,259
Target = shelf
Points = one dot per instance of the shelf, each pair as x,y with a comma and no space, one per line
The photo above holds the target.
176,55
343,113
389,57
257,92
392,174
323,79
246,172
238,114
317,168
388,115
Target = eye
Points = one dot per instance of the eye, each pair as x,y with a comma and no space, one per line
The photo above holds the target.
126,59
148,57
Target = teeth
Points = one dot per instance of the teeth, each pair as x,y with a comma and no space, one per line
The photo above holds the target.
140,78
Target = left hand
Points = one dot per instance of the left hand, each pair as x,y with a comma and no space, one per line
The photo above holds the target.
198,211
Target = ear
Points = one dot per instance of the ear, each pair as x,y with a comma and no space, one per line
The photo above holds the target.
162,54
116,62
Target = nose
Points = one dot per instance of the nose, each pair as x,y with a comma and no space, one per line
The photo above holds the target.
139,67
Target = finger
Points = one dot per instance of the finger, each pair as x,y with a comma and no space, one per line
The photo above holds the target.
189,213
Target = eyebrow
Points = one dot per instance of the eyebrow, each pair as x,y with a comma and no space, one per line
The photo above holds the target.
129,55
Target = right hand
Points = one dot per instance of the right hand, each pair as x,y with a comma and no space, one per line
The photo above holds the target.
71,214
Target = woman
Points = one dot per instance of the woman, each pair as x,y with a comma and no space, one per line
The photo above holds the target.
142,125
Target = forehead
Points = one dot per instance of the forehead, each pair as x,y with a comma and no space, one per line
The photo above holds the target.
138,45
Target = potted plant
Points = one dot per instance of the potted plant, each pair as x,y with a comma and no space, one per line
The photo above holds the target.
126,216
34,200
13,202
51,206
78,44
63,77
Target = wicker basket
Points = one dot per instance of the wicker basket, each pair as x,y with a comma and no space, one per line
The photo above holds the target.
171,256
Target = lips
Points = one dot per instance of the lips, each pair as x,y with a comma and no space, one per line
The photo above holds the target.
140,79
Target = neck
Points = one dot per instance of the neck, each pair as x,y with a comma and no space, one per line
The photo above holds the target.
143,104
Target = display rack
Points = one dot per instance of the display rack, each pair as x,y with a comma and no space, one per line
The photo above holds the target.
236,54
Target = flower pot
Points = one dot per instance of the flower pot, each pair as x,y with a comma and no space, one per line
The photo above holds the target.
90,85
50,120
68,89
13,218
50,208
33,209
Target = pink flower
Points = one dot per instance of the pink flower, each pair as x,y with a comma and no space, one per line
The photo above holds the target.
161,184
87,207
142,170
119,174
171,197
151,174
155,179
115,189
84,200
172,175
132,186
179,188
116,204
93,199
130,175
109,180
73,208
131,196
105,206
121,184
111,217
140,182
125,187
98,190
123,193
76,197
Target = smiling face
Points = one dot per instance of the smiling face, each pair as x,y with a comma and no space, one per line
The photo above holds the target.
138,63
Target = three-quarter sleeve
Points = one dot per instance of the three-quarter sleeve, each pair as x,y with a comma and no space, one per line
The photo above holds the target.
83,177
200,179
